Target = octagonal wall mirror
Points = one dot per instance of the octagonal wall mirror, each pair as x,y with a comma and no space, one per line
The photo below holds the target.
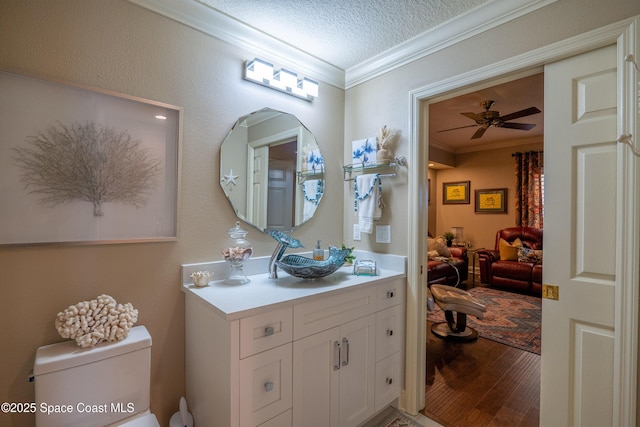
272,171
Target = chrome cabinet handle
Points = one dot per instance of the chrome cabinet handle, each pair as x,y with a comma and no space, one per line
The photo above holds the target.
345,343
268,331
390,294
336,355
268,386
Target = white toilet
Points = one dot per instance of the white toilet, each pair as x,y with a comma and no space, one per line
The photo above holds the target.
107,385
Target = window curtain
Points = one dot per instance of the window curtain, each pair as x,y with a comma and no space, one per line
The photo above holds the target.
529,172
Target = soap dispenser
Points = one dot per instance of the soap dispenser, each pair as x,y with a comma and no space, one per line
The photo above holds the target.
318,252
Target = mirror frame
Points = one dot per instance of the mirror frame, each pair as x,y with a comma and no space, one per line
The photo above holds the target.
304,171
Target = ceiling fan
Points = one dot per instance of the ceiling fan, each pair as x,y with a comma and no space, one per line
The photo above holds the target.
489,118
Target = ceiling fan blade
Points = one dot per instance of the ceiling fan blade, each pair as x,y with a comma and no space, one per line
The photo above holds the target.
526,112
461,127
479,133
473,116
519,126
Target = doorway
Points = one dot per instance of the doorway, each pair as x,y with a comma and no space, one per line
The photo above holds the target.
624,388
483,380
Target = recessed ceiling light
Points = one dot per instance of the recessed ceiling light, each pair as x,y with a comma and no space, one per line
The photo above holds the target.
161,117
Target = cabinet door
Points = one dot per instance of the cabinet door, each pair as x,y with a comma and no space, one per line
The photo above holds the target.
357,371
316,370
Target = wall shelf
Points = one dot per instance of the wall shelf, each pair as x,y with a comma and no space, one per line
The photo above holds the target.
351,171
304,176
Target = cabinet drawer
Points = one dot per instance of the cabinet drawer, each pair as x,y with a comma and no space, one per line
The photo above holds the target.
388,380
389,331
316,316
390,294
264,331
265,385
282,420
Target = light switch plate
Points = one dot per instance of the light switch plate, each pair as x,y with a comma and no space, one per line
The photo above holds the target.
356,232
383,233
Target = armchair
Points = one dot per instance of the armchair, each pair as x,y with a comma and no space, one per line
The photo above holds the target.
452,272
520,273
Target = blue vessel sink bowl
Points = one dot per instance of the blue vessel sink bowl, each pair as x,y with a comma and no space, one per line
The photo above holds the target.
307,268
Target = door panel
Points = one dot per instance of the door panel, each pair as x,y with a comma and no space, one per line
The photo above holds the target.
357,373
578,337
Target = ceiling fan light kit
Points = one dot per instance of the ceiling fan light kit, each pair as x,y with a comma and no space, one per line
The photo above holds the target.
489,118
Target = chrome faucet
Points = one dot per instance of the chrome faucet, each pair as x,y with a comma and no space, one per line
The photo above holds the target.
284,241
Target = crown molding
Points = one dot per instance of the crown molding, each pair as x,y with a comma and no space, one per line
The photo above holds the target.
462,27
203,18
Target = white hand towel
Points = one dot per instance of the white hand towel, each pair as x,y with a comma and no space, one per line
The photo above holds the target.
313,191
370,207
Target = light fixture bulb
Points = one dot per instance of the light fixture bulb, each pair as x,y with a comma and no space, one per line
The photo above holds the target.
310,87
262,72
259,70
288,79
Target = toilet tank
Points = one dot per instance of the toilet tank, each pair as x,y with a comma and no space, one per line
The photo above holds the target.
93,386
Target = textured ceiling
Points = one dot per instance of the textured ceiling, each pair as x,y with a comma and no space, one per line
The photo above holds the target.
343,32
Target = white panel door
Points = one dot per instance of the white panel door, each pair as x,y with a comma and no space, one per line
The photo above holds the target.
258,169
280,201
580,150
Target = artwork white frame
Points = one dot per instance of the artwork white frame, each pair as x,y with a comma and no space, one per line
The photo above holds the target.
40,110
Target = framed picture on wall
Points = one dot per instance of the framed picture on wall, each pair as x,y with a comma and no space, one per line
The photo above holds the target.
492,200
456,193
85,166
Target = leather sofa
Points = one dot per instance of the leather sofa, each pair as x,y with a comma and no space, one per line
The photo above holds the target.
523,274
444,273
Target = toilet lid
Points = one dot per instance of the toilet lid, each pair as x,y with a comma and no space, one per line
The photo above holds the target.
148,420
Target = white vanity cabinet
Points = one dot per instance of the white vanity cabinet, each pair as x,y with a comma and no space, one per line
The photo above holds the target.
329,358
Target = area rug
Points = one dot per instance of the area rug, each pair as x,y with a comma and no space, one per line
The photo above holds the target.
511,319
398,419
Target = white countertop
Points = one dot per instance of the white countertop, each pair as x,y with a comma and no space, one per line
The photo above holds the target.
236,301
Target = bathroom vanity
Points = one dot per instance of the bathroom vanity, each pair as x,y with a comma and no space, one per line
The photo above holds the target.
289,352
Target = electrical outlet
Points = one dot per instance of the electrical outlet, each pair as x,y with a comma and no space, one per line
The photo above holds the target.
383,233
356,232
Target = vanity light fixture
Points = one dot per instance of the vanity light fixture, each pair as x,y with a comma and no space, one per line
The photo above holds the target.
263,73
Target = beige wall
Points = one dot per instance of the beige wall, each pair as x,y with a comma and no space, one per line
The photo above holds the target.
117,46
121,47
385,99
484,169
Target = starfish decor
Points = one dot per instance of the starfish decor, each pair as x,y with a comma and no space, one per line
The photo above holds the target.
230,178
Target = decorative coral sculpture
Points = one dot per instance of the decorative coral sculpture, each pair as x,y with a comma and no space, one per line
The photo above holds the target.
388,138
95,321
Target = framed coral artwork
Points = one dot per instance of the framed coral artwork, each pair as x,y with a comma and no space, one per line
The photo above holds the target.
85,166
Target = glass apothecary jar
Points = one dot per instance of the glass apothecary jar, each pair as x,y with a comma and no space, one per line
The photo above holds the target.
236,251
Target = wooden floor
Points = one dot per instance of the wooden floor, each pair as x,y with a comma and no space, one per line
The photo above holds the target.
481,383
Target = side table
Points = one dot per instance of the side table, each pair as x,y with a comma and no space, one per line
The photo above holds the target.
474,255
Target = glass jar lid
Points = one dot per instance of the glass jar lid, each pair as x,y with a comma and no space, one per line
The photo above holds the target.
237,231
